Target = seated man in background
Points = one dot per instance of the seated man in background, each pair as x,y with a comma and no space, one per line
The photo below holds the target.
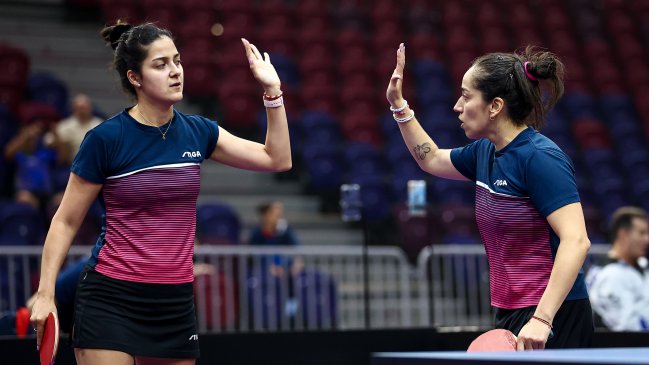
73,129
619,292
273,230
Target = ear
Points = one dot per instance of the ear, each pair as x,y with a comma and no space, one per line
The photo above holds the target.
497,105
133,78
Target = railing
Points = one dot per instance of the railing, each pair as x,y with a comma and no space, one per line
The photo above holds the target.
453,285
252,288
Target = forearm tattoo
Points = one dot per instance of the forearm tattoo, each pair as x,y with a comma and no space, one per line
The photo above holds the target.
421,150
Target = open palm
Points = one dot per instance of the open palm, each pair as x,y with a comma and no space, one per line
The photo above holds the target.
261,67
394,94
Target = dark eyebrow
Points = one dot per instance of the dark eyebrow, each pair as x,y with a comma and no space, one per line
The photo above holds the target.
464,90
162,58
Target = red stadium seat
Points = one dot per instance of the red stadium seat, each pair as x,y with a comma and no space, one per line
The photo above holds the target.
385,11
314,30
591,134
112,10
315,58
15,63
361,126
489,15
311,8
423,45
32,111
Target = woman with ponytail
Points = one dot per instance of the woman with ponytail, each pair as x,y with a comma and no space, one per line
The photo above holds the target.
135,297
527,205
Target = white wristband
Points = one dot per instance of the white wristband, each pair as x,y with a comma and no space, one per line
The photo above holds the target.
396,110
274,103
404,119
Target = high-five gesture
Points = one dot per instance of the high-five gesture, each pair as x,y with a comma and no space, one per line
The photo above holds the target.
262,69
394,92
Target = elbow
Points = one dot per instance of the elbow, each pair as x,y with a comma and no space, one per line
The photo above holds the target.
583,243
283,166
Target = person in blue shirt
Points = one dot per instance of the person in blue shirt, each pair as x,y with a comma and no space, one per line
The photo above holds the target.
134,300
273,230
527,206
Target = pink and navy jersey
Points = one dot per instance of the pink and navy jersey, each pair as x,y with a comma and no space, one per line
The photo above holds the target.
516,189
150,188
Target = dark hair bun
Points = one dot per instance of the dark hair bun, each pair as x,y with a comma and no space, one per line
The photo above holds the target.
113,33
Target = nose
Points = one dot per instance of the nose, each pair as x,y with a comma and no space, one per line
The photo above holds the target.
457,108
175,69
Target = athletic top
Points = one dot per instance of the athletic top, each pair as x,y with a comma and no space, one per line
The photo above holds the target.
150,188
516,189
619,294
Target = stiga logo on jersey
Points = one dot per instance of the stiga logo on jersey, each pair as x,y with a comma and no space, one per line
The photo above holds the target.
192,154
501,183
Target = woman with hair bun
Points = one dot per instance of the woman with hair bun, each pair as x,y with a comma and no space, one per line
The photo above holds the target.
527,206
135,297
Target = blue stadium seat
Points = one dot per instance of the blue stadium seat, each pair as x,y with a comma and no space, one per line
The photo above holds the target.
20,224
324,167
376,197
47,88
217,223
319,128
363,159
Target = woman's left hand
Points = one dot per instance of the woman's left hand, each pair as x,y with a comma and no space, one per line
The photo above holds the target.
262,69
533,336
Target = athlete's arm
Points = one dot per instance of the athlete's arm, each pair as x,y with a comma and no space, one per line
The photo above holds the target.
569,225
275,153
432,159
78,197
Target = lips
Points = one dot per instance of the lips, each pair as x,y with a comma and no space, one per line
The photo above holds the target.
175,84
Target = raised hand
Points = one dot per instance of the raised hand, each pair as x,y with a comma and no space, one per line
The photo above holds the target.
262,69
394,93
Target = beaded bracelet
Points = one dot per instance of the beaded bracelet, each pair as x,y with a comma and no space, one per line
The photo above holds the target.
404,119
547,323
400,109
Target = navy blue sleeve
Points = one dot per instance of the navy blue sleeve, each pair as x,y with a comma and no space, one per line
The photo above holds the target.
213,133
465,159
550,180
91,162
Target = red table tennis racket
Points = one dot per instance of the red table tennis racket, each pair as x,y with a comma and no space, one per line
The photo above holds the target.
50,340
494,341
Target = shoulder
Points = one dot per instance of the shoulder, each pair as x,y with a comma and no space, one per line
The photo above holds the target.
195,119
109,129
540,145
542,151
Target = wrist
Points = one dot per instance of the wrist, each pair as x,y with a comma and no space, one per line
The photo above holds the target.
398,104
273,90
45,294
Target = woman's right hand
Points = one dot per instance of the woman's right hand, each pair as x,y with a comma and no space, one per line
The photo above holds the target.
43,305
394,93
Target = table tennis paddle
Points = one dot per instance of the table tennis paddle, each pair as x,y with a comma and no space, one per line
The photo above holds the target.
494,341
50,340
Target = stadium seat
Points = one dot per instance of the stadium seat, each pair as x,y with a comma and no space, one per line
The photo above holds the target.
47,88
20,224
217,224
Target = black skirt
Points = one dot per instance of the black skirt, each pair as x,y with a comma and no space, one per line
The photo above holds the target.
573,323
141,319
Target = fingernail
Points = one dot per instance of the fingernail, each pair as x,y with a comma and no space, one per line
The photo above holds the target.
37,347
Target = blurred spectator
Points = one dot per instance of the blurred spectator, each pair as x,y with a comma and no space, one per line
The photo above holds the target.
619,292
36,162
273,230
73,129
